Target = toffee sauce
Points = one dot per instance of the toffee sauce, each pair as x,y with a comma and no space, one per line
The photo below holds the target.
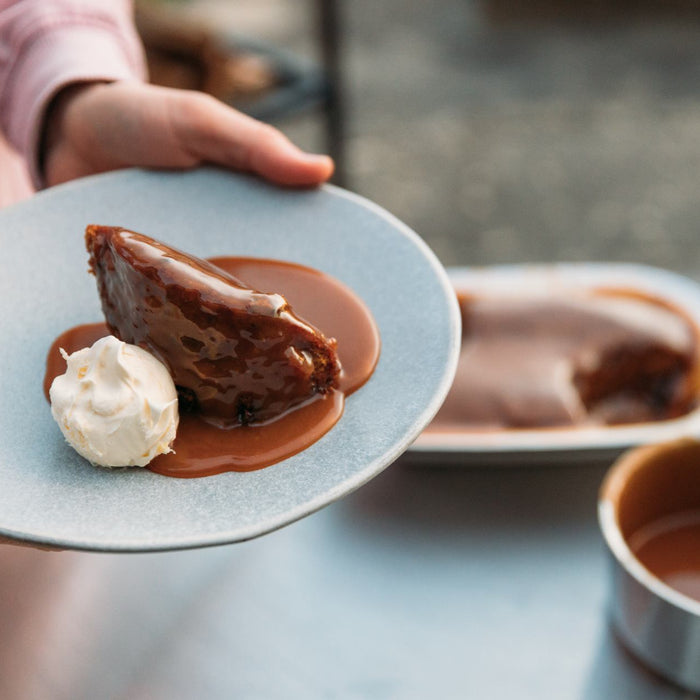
670,549
202,449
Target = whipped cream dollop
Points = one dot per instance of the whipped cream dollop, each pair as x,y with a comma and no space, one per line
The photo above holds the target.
116,404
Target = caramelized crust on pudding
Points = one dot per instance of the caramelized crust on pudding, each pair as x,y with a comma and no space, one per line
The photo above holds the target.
238,356
598,358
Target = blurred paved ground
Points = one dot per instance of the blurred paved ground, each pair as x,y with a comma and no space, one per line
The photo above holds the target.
513,141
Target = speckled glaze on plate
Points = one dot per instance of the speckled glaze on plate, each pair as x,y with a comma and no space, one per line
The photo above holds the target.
562,445
50,495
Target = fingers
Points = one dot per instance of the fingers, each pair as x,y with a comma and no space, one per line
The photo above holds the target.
103,127
215,133
270,154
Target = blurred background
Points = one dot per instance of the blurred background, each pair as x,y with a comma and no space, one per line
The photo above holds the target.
500,130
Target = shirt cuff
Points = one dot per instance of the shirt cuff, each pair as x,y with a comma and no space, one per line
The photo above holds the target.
56,59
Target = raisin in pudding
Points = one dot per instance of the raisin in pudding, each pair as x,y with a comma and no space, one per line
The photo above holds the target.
597,358
257,382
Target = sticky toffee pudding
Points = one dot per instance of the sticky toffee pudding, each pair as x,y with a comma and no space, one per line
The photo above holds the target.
257,381
237,355
606,357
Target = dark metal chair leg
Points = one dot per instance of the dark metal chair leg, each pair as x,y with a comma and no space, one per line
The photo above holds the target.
329,23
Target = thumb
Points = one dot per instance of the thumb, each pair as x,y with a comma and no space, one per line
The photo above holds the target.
211,132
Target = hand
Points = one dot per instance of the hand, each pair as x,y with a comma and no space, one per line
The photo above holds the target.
95,127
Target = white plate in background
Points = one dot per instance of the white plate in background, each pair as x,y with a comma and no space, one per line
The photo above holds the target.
552,445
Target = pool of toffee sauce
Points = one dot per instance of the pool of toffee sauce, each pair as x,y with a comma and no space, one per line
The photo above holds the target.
201,449
670,549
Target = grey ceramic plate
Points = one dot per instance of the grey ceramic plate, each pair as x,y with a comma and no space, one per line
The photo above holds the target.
48,494
563,445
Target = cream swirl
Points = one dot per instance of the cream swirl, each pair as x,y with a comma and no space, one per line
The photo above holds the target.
116,404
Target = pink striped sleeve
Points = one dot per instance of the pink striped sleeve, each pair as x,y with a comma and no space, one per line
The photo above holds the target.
45,46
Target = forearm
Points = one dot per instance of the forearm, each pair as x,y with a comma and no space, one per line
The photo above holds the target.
45,46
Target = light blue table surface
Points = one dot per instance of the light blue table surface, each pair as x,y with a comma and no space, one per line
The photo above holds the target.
428,582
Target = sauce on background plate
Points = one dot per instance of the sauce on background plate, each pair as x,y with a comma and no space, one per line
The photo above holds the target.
600,358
